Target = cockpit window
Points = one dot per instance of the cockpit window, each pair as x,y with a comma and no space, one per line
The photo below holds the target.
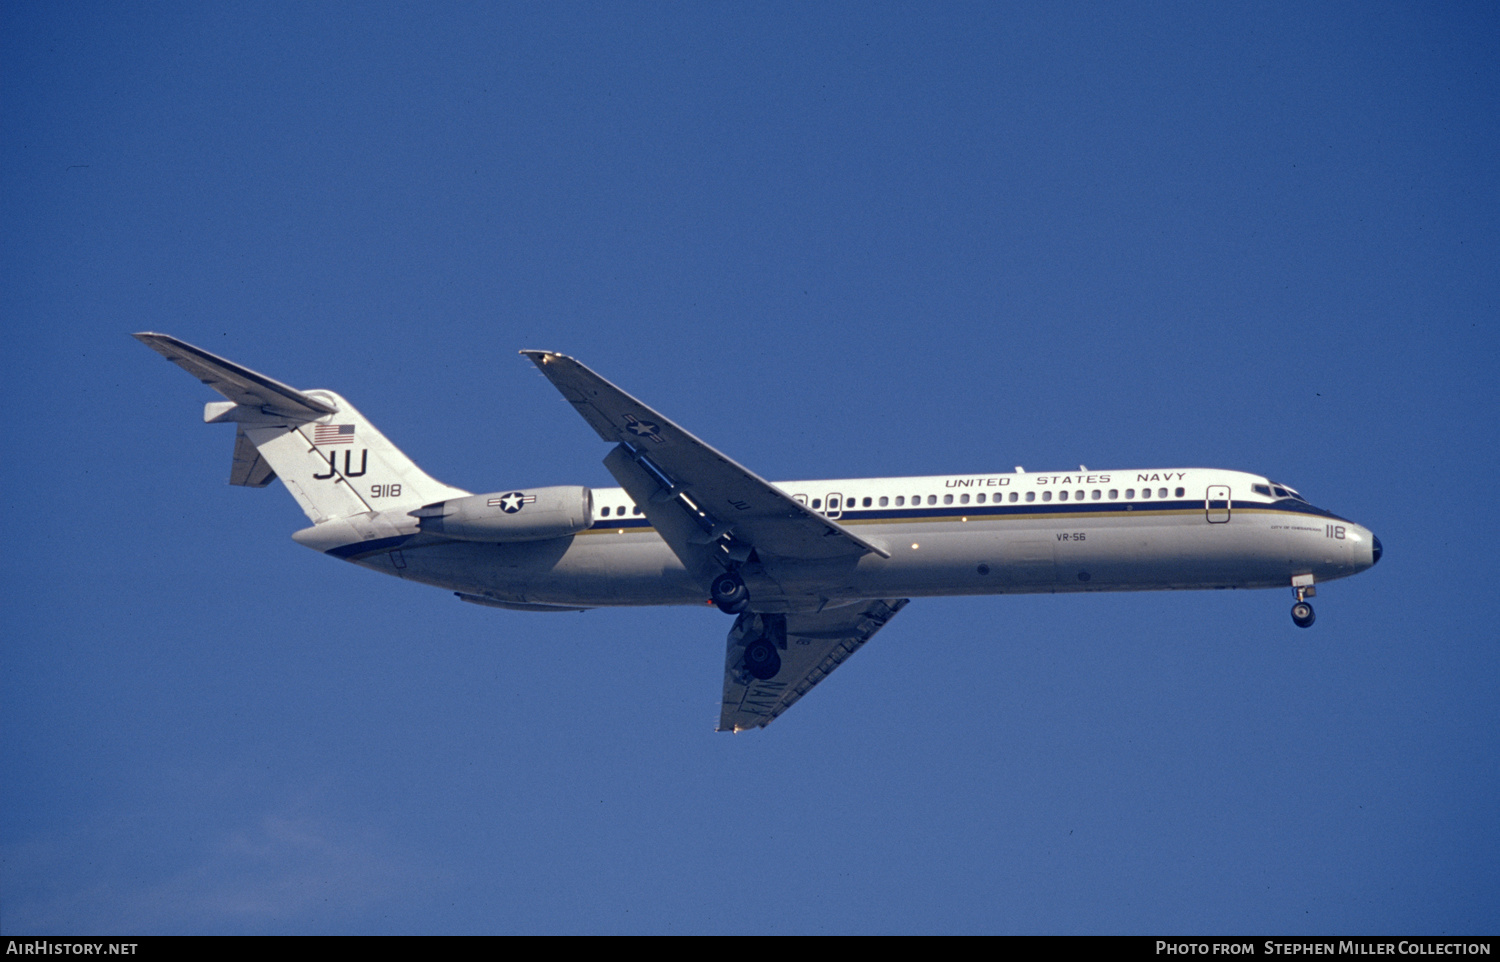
1264,489
1282,491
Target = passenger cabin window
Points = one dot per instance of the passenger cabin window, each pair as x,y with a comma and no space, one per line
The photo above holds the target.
900,500
635,509
1014,495
963,499
1046,495
1114,494
1162,493
979,498
932,499
604,512
1077,495
1145,492
884,501
867,502
1097,494
817,502
1180,492
947,499
1030,495
1061,496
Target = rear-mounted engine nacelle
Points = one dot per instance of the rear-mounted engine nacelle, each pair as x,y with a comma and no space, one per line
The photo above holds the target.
534,514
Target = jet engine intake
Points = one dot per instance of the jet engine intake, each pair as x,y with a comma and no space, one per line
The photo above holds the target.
533,514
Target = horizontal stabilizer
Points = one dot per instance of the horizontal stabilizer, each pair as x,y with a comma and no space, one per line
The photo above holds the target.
239,384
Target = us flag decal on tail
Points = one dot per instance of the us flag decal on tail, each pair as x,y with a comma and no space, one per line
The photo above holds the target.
333,434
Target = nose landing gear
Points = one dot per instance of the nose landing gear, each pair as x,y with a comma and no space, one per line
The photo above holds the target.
1302,613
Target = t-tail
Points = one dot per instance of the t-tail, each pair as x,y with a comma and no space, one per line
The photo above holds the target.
339,468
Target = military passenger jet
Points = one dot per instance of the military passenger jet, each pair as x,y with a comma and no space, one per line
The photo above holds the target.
810,569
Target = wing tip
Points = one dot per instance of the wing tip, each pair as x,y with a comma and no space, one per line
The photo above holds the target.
153,338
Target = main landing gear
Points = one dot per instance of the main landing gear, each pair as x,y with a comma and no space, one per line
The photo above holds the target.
1302,613
729,593
761,659
766,633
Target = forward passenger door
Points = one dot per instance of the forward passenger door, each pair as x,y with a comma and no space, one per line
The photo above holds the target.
1216,504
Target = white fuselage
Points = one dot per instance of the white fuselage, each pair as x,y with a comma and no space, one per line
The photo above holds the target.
1150,529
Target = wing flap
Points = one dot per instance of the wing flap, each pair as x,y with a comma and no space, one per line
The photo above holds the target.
668,515
811,646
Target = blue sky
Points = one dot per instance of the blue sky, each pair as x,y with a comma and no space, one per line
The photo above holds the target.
833,240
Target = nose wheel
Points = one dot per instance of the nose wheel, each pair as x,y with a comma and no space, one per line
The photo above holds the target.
1302,613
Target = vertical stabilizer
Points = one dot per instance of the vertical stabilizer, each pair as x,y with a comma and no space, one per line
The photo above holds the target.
338,465
332,460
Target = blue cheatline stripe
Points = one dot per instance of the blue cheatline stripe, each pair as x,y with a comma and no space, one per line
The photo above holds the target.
945,512
1120,508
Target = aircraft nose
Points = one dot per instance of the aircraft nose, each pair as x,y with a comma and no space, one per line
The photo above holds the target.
1375,550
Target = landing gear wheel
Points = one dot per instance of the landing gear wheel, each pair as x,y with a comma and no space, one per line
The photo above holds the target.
762,660
1303,615
729,593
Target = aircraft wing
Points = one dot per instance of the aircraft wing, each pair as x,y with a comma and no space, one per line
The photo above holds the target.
239,384
810,646
732,499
